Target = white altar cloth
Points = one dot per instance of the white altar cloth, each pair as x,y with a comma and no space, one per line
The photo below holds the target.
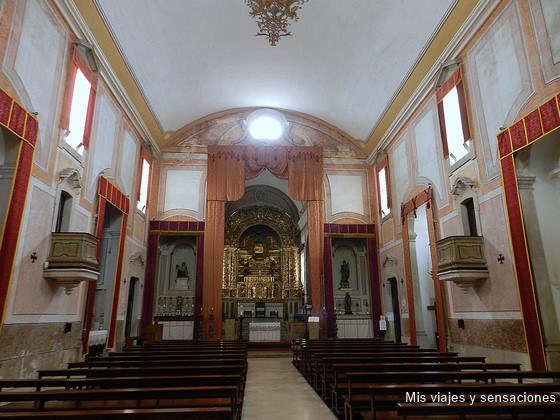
97,337
264,331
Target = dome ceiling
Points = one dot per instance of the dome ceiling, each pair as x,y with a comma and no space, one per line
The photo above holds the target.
345,64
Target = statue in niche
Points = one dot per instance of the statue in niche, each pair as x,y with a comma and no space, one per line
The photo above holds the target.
259,264
182,273
344,275
347,304
258,249
182,270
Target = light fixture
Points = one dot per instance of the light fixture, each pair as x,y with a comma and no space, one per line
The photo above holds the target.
273,17
266,125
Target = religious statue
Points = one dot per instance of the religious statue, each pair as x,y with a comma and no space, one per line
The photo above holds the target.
179,304
347,304
258,249
344,276
182,270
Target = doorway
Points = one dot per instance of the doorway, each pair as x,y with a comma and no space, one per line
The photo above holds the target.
394,288
422,281
108,259
538,180
130,307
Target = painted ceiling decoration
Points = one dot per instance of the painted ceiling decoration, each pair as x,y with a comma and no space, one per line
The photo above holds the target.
274,16
229,128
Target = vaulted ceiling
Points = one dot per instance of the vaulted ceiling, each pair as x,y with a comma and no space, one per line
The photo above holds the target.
353,64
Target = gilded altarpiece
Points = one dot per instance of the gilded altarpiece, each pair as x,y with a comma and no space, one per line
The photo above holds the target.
261,261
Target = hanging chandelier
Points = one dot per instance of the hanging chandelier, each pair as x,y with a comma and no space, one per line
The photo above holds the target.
273,17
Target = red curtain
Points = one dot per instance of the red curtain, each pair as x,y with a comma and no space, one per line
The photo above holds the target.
305,173
228,167
15,118
275,159
226,173
225,182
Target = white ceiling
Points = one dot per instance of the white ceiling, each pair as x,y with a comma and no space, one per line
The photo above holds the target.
344,63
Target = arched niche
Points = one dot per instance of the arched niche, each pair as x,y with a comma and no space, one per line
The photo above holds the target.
177,266
350,274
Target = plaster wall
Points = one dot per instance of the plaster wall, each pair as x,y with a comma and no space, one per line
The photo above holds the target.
398,158
499,70
34,63
103,144
128,164
347,194
509,67
181,190
428,153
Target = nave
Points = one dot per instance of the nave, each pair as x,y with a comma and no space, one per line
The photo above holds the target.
276,391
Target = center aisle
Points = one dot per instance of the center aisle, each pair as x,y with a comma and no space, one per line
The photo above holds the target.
275,390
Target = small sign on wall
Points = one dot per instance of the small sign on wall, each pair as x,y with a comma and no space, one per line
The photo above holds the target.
382,324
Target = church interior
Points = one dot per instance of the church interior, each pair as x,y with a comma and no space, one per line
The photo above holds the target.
279,171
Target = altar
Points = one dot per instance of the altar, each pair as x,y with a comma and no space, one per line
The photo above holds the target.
354,326
264,331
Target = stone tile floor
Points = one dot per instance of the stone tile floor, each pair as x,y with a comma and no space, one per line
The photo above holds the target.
275,390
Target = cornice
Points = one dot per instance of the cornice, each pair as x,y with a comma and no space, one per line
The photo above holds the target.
79,27
464,35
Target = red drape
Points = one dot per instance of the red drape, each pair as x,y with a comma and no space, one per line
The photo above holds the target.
524,132
226,173
225,182
228,167
15,118
275,159
305,173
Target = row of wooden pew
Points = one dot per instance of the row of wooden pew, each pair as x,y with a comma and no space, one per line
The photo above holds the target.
171,380
370,378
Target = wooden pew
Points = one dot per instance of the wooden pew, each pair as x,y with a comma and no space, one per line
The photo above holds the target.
300,347
171,370
355,394
385,397
107,362
312,362
121,382
334,368
361,381
179,356
316,366
191,413
206,396
535,410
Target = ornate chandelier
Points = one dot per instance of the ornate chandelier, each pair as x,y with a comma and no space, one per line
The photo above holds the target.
273,17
